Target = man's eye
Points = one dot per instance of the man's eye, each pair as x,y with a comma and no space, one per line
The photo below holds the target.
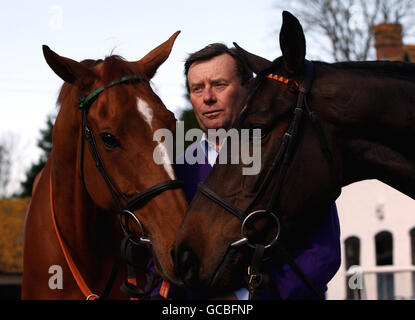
109,140
196,90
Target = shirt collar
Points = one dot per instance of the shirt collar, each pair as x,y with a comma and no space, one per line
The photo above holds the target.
204,141
209,149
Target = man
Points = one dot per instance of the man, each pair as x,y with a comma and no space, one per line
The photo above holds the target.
216,81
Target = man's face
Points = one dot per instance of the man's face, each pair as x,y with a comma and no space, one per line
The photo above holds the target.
216,92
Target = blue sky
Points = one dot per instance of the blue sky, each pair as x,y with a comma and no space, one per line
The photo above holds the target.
93,29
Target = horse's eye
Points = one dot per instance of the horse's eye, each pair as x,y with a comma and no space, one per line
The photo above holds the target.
258,131
109,140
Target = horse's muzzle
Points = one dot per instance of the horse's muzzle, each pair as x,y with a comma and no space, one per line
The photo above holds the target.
186,265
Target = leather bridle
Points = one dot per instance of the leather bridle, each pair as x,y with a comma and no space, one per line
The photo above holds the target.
126,211
131,203
281,164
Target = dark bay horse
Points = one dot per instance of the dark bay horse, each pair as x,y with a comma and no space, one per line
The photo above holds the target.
101,165
323,126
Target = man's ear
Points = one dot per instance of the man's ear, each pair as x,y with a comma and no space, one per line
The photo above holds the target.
69,70
292,43
254,62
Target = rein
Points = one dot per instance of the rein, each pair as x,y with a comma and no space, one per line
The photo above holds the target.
68,257
281,162
130,287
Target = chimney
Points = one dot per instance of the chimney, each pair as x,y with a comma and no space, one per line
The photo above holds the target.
410,52
388,41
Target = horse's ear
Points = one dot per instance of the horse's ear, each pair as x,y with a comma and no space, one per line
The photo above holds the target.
69,70
292,43
254,62
151,61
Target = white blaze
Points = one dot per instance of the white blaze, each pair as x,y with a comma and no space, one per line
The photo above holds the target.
163,157
146,111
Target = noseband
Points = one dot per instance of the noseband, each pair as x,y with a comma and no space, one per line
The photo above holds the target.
281,162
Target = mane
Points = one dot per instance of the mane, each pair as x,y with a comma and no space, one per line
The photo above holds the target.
391,69
113,68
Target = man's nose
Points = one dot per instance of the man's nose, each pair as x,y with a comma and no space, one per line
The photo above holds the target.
209,96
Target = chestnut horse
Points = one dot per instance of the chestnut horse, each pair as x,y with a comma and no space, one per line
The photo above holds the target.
99,174
323,126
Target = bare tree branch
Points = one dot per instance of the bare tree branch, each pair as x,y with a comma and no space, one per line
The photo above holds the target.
346,26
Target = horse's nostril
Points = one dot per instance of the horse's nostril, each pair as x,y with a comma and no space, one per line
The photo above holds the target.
186,265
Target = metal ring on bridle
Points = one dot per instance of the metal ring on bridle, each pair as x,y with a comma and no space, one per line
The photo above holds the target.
126,230
245,239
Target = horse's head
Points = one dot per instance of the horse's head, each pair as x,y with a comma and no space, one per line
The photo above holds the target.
204,255
107,119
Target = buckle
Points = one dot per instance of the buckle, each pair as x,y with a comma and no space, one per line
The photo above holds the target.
255,280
